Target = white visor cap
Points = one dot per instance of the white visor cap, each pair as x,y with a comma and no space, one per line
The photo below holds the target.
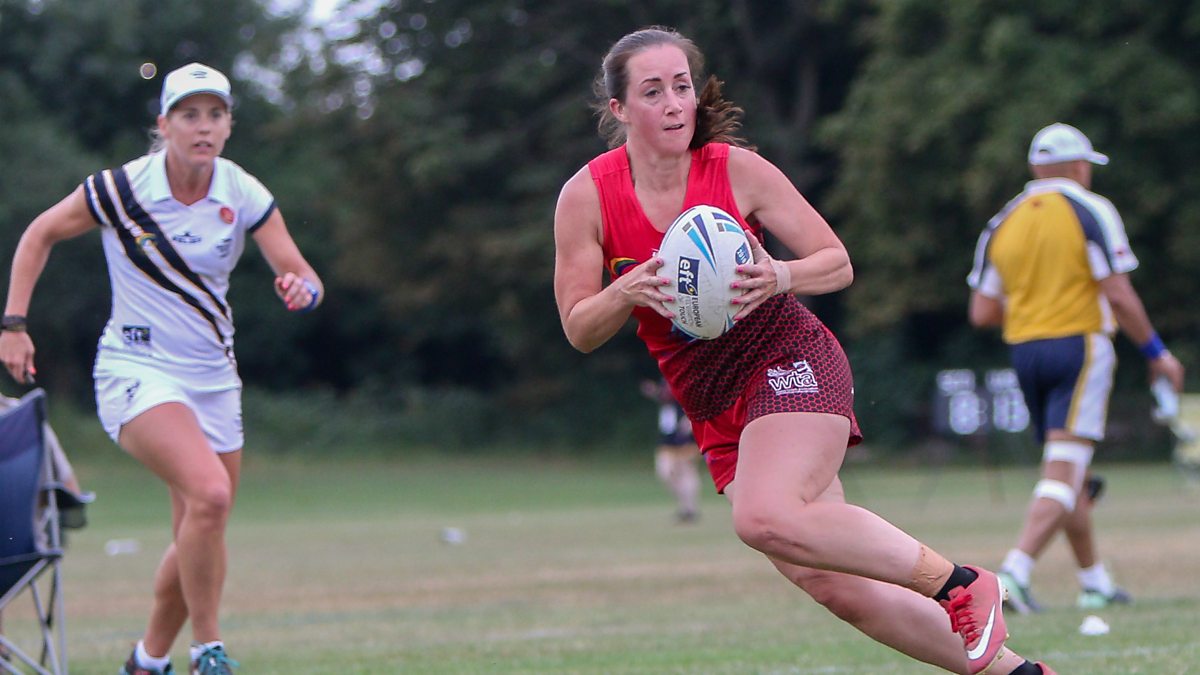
192,79
1062,143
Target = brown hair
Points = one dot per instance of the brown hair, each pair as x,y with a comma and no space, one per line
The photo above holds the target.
716,118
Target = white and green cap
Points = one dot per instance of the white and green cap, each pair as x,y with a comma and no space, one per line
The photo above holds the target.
194,78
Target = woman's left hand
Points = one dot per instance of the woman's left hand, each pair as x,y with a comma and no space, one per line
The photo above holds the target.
760,280
298,294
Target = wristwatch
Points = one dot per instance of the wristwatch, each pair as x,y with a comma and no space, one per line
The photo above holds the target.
13,322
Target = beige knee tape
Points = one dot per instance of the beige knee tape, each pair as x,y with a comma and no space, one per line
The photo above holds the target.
931,572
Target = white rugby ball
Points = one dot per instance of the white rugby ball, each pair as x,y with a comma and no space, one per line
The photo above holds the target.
701,251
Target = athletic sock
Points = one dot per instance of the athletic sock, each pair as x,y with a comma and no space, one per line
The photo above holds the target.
1027,668
199,648
1096,578
961,576
144,660
1019,565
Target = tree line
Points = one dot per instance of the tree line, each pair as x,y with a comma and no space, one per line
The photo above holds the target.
416,151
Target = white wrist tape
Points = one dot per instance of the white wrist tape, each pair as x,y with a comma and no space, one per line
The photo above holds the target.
783,276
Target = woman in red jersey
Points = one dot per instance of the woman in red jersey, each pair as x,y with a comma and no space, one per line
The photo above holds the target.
771,400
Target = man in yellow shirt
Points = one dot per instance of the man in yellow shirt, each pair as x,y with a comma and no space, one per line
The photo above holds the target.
1052,269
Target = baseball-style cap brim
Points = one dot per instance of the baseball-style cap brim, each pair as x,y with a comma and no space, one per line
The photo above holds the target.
224,96
1050,158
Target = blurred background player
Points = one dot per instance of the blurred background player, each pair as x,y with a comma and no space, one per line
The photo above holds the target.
1052,269
677,454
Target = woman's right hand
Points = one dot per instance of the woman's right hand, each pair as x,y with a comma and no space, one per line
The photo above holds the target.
16,353
642,287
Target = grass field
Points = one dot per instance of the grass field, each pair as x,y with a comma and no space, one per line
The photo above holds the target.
576,567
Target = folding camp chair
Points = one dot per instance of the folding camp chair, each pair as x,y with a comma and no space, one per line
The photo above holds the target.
30,533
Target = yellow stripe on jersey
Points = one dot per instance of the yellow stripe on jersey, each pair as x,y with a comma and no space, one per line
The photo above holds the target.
1040,253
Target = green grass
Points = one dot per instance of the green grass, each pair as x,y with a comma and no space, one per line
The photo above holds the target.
576,567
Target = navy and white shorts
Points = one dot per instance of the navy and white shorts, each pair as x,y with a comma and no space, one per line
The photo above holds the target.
1067,382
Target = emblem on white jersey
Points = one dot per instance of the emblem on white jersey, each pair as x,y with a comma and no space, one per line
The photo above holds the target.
136,336
186,238
797,378
227,215
146,241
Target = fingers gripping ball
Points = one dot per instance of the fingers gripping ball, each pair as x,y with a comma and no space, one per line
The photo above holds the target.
701,251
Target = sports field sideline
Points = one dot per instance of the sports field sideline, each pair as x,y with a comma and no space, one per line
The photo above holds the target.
576,567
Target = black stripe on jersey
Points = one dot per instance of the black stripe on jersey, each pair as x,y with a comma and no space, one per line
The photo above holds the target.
143,219
89,192
143,263
263,220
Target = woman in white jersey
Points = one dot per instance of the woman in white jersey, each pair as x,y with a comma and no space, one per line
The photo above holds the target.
173,225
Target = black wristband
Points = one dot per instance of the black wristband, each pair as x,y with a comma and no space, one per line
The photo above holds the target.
13,322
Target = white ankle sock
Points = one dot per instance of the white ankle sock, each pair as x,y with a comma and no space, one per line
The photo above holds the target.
1096,578
199,648
144,660
1019,565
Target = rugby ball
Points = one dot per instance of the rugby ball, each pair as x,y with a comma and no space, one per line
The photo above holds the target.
701,251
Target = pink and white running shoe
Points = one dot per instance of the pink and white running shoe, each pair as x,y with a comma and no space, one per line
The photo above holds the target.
976,614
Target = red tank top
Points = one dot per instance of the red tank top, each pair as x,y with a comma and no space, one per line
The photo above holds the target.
706,376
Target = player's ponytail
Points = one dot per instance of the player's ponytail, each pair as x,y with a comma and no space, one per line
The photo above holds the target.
717,120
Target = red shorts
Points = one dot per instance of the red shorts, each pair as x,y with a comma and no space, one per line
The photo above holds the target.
820,382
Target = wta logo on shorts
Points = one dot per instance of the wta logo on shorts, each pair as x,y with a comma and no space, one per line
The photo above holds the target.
798,378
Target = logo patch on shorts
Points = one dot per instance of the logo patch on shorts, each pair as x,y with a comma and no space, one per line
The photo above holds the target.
131,391
798,378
